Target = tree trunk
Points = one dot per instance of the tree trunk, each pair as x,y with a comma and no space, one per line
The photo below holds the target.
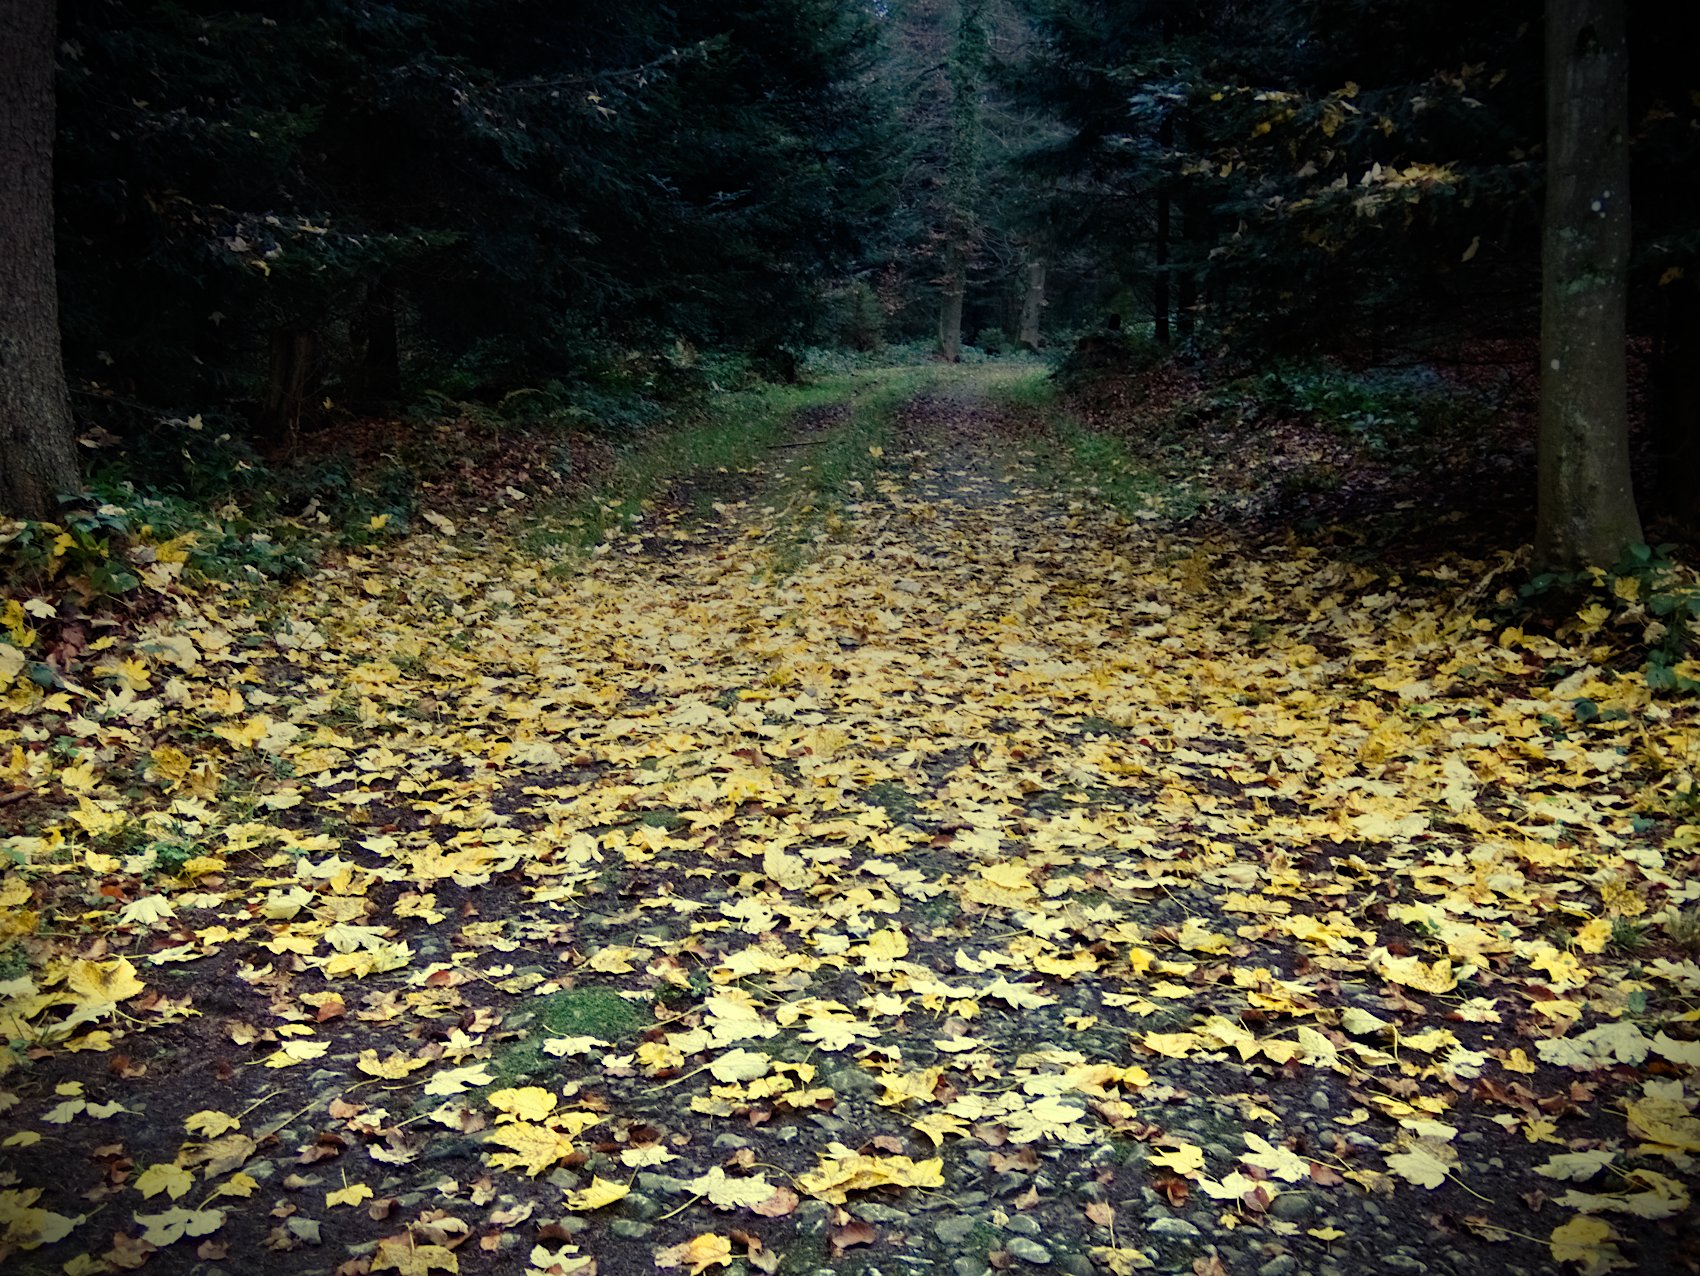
1586,511
950,312
294,352
1678,388
1186,286
1030,335
1160,286
966,71
380,350
38,452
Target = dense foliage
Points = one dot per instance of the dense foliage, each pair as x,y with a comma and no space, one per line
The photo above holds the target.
510,185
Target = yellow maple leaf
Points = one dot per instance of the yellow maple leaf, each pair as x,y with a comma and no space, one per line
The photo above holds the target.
238,1184
400,1254
527,1103
103,982
601,1192
1587,1242
176,1223
1171,1045
1664,1121
291,1053
535,1148
1185,1159
702,1251
353,1194
842,1171
391,1068
173,1180
1412,972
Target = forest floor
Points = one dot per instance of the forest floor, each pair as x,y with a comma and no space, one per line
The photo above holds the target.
890,858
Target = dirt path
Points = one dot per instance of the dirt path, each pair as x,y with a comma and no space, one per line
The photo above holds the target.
1007,887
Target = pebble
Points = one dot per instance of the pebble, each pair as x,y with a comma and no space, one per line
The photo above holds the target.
1028,1250
966,1266
1172,1227
1022,1225
1320,1101
953,1231
852,1081
1290,1207
1280,1265
874,1212
811,1216
667,1183
640,1206
630,1229
1077,1265
1403,1263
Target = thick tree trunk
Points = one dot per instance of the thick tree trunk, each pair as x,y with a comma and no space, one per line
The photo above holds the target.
966,69
950,311
294,355
38,457
380,349
1586,513
1030,336
1678,385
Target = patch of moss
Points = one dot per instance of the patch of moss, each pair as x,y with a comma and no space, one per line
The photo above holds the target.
893,799
589,1012
574,1012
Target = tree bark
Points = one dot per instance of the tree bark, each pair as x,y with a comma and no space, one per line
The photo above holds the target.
1030,335
38,456
1678,388
950,310
1160,285
1586,513
966,69
1186,286
380,349
294,354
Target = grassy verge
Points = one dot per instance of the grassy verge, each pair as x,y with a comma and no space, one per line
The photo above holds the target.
732,433
834,468
1090,461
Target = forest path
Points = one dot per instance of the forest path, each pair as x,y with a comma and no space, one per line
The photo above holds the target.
991,883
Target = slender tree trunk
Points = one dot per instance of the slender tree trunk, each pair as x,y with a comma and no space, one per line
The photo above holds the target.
380,354
1678,385
1586,513
1186,286
294,355
38,456
1031,335
1160,285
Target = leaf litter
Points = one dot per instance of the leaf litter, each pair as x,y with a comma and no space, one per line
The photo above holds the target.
1001,880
